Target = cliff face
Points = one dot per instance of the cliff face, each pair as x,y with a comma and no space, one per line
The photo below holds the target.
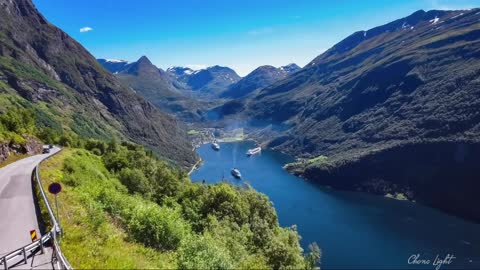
42,64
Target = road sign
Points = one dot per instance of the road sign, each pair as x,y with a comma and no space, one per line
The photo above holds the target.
33,235
54,188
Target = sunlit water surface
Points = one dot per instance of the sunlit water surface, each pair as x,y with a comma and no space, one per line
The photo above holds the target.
354,230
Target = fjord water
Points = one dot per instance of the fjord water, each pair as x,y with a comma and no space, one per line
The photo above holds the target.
354,230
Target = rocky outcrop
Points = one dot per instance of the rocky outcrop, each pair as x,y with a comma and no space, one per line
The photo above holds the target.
32,146
4,152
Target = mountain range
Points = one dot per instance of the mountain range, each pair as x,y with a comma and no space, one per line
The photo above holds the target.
404,91
44,69
113,65
259,78
187,93
156,86
209,82
394,109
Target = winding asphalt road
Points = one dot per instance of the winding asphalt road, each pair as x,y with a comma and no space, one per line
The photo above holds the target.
17,206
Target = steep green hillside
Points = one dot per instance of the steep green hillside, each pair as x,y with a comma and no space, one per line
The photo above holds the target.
55,75
134,211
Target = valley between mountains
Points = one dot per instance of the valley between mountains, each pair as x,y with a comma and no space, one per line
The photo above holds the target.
389,110
392,111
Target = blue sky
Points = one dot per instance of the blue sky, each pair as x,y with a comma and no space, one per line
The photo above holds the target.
241,34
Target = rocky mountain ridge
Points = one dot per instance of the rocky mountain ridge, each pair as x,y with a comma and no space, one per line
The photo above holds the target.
407,90
44,68
259,78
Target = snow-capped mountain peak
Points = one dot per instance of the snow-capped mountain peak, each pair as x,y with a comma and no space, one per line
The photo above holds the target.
290,68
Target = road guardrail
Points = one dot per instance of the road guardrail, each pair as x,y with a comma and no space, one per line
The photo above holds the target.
22,254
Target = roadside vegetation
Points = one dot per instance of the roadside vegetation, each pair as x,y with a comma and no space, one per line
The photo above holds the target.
21,121
14,124
120,199
122,207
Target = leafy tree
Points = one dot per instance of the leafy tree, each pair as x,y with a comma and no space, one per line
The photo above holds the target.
203,252
96,144
166,183
284,250
225,202
20,121
48,135
135,181
116,161
313,257
113,146
158,227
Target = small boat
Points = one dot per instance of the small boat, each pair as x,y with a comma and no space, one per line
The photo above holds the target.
254,151
215,146
236,173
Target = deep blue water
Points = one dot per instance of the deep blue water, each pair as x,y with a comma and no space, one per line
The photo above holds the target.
354,230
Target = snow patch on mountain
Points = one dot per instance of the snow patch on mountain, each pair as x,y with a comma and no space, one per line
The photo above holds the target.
116,61
435,20
456,16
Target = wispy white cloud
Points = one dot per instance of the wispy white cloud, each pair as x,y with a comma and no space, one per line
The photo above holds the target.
85,29
196,66
261,31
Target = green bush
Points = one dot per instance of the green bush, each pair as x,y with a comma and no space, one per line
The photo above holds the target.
135,181
284,250
15,123
19,121
116,161
158,227
100,146
48,135
16,139
203,252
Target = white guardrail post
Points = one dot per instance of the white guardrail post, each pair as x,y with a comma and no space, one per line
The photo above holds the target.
21,253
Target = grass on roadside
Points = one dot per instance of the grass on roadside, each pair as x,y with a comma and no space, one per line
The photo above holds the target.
12,158
95,242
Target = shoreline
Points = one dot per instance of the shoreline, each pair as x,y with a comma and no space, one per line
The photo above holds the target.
393,196
200,161
195,166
